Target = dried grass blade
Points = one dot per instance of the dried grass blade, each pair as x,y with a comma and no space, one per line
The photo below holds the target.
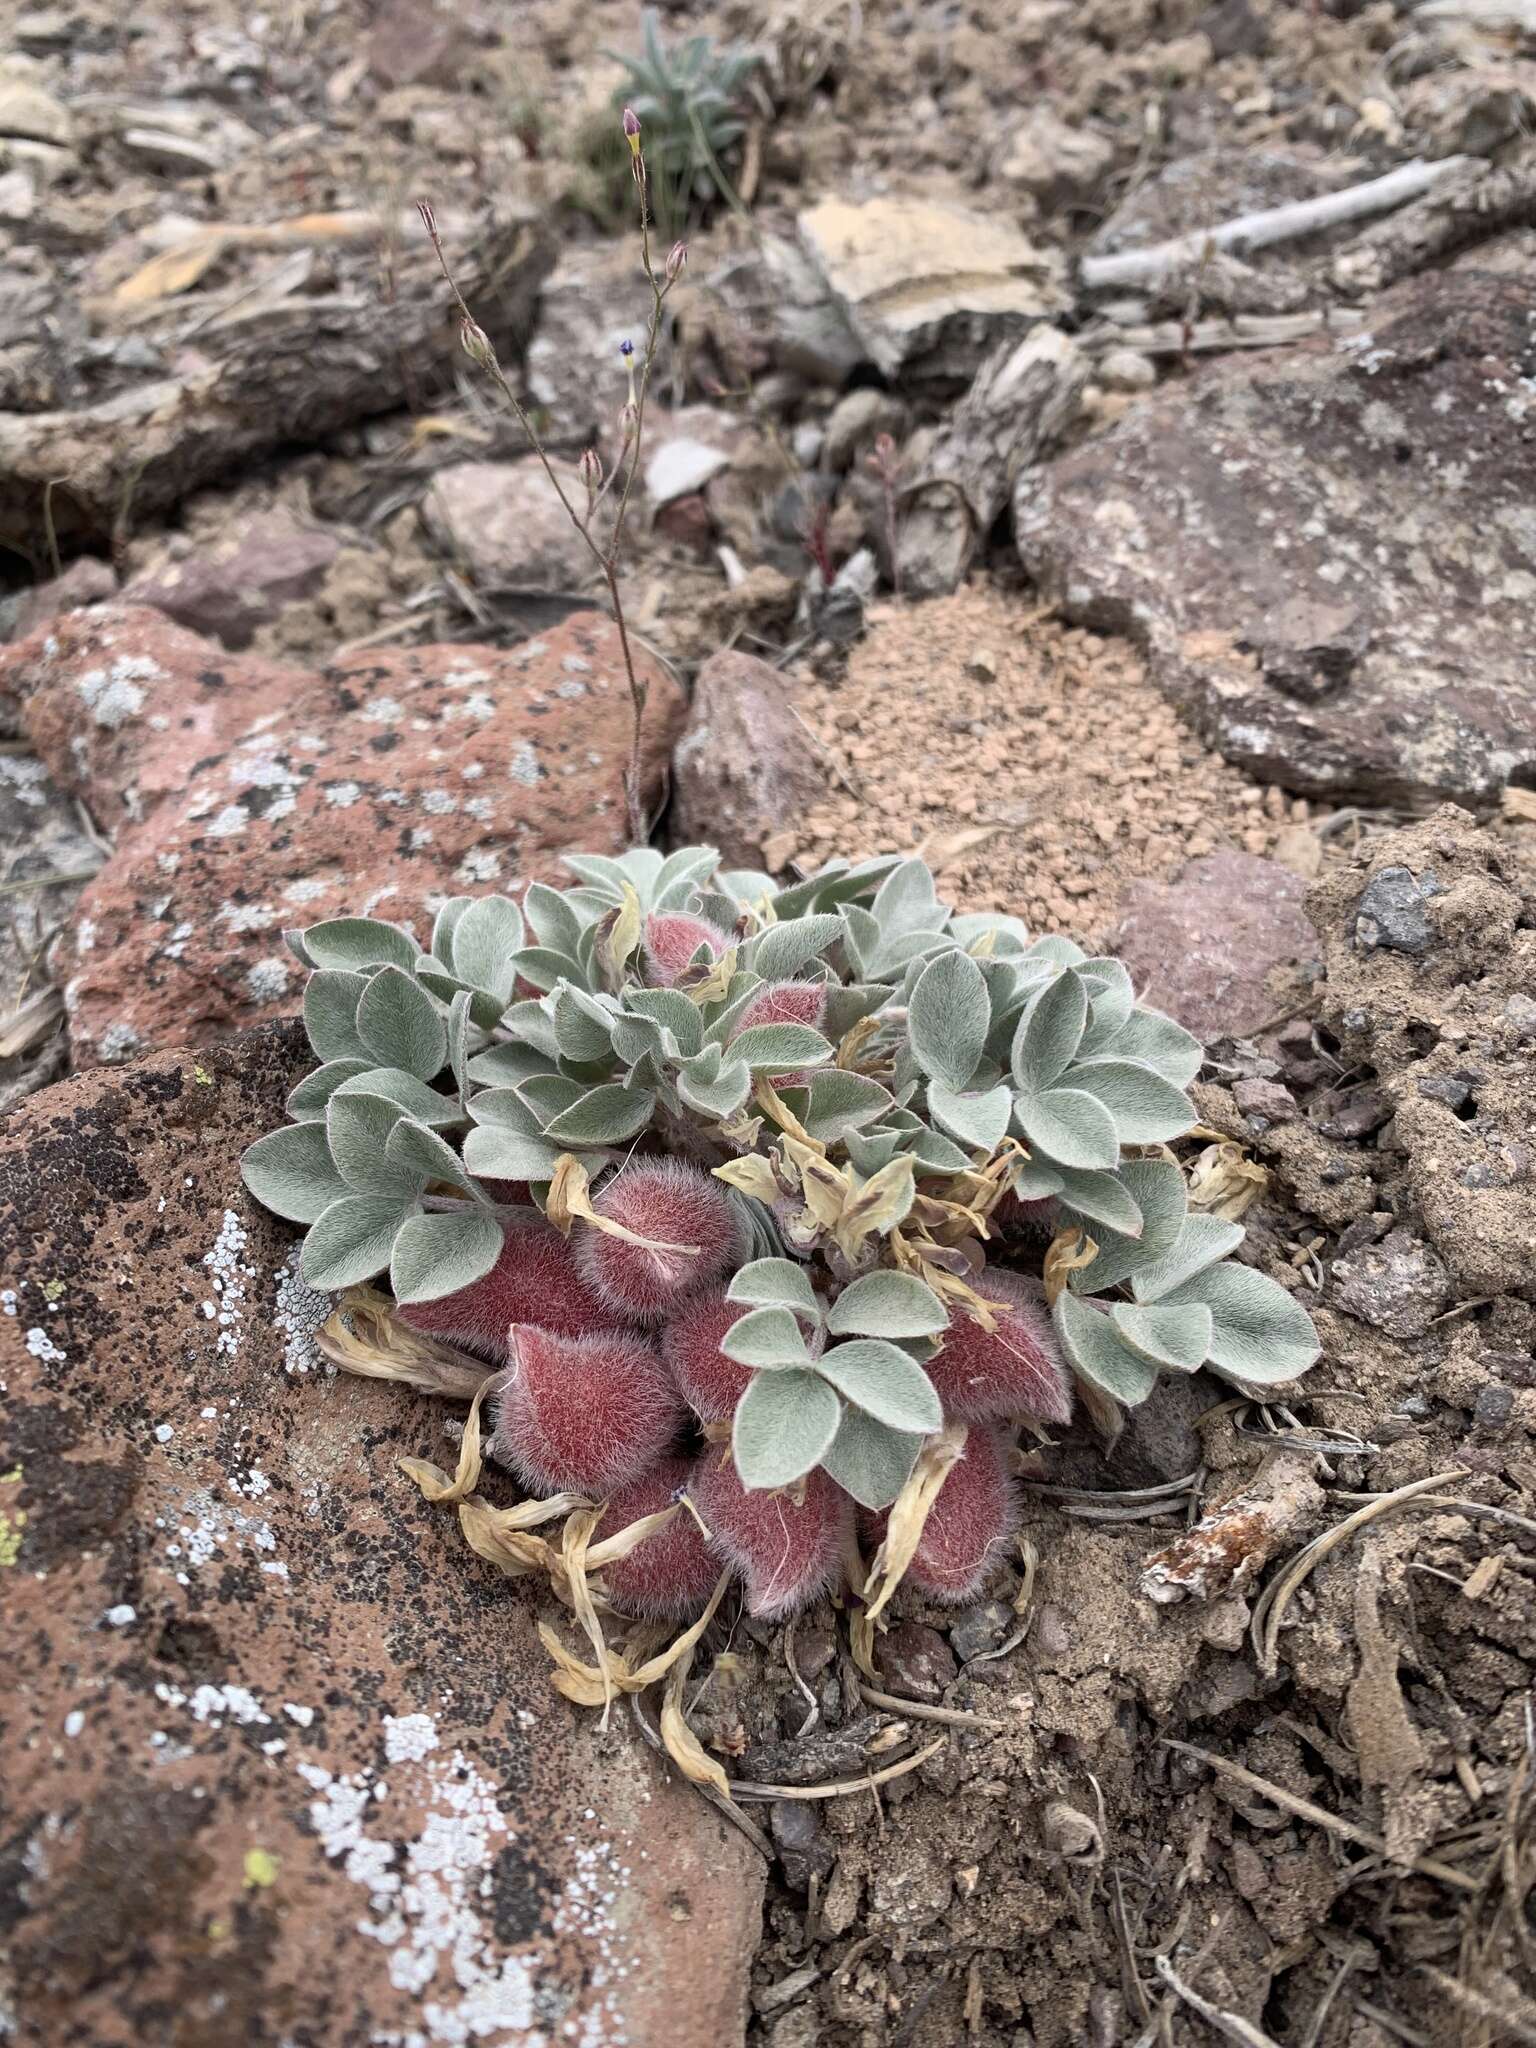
1269,1608
363,1335
432,1480
909,1515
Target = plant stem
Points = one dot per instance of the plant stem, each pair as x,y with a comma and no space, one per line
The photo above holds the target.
481,352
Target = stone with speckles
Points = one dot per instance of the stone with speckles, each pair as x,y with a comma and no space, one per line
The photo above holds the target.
282,1763
1328,551
247,797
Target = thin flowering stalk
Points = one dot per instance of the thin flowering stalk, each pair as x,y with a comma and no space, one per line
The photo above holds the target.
477,346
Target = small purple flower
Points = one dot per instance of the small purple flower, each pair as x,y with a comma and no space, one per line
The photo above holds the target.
626,348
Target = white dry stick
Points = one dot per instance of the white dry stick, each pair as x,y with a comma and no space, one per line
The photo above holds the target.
1273,224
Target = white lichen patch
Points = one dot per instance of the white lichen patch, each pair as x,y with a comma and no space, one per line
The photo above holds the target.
118,1042
382,711
208,1526
429,1889
267,981
342,795
227,1278
298,1312
229,823
439,803
217,1703
250,917
25,778
524,765
480,864
112,695
409,1737
42,1346
426,1897
306,891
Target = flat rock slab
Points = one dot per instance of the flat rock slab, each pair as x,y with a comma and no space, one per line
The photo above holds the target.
1329,554
246,797
929,290
505,522
1203,946
281,1762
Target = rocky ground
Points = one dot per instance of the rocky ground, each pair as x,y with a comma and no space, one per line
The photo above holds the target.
1178,601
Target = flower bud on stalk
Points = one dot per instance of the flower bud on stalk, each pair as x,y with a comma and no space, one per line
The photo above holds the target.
629,422
632,137
677,261
591,470
476,344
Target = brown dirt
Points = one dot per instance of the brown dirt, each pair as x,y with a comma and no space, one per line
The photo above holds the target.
1032,763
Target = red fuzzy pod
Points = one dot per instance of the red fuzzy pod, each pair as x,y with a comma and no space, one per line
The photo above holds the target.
789,1555
534,1281
671,1574
710,1382
583,1414
1021,1219
1016,1369
785,1002
670,1203
973,1516
671,940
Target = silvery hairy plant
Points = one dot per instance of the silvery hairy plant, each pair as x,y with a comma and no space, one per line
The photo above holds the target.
791,1159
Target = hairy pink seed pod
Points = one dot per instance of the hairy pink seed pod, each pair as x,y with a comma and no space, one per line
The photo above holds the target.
677,261
534,1281
671,940
1015,1218
969,1525
671,1574
1016,1369
785,1002
789,1555
587,1414
671,1203
710,1382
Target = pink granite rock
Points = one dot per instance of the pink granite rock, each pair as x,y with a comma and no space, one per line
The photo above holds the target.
247,797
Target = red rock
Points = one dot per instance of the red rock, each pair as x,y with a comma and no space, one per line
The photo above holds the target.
86,581
1263,530
281,1758
745,770
247,797
240,582
416,42
1202,946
